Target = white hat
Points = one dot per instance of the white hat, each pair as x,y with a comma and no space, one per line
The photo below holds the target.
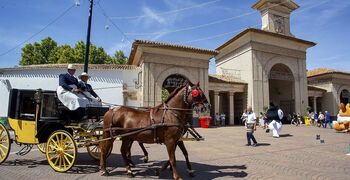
71,66
84,74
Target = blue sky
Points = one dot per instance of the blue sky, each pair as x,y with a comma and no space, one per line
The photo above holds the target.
199,23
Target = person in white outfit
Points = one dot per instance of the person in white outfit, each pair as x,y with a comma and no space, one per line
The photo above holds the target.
274,116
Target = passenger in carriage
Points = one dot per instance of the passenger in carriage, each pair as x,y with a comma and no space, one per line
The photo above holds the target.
86,88
70,94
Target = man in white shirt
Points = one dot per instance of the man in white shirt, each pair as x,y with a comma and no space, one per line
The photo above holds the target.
250,125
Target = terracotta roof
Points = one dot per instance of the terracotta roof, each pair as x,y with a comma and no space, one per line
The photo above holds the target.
313,88
224,79
263,32
78,66
165,45
324,71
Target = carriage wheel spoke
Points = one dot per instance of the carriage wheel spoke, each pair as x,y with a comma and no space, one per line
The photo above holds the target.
54,157
64,162
55,144
58,158
60,163
69,155
52,147
94,148
69,162
1,131
1,145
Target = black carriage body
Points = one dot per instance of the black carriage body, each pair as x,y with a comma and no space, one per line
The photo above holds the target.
45,112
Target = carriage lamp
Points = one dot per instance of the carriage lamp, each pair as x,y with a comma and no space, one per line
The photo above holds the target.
38,96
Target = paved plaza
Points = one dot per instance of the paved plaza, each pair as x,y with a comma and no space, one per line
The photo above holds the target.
223,155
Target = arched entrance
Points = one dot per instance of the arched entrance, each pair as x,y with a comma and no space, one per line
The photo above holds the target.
281,88
344,96
171,83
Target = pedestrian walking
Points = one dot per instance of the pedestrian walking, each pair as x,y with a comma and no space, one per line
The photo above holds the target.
223,119
250,125
321,120
328,120
217,119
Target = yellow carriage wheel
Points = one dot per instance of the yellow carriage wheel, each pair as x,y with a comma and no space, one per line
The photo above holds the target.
42,147
61,151
95,150
5,143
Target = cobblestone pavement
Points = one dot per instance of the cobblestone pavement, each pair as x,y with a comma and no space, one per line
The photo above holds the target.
223,155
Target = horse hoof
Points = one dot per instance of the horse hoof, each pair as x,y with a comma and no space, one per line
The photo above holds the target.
104,173
130,174
191,173
145,159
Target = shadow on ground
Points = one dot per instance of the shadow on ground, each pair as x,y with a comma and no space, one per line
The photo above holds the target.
86,165
286,135
263,144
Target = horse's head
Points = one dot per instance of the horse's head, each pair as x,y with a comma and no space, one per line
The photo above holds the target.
195,97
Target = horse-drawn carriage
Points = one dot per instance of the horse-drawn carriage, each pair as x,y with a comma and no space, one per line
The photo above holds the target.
38,118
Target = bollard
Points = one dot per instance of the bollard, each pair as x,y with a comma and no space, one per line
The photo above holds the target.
318,139
348,150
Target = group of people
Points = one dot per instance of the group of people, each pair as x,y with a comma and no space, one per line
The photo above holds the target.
270,120
320,119
76,94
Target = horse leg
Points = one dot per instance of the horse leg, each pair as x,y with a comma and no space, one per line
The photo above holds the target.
105,147
124,149
171,146
145,153
181,145
131,164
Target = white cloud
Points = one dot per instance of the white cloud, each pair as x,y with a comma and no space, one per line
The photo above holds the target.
152,15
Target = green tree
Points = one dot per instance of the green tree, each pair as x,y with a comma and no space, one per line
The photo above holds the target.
65,54
47,52
118,58
165,94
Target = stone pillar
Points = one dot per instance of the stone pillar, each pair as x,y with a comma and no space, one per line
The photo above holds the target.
315,104
216,101
232,108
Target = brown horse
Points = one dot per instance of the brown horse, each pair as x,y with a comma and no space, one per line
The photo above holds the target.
164,123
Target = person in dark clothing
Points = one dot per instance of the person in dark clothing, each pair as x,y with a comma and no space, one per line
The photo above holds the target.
67,80
274,116
86,88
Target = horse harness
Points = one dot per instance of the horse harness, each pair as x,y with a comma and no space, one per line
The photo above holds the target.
153,125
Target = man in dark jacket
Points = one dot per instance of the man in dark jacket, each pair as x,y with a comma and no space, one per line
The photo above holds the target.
85,87
67,80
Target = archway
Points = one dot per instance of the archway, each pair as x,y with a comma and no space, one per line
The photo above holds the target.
281,88
344,96
171,83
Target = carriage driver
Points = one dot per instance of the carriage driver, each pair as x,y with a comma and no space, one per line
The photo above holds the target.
87,88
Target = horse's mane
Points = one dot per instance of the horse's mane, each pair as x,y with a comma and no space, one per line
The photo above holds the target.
172,94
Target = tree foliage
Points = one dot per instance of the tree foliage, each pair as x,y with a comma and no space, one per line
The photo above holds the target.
48,52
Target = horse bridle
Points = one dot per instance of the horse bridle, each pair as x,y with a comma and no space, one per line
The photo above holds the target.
195,92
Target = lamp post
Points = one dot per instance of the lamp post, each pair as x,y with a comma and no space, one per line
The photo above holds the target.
87,46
